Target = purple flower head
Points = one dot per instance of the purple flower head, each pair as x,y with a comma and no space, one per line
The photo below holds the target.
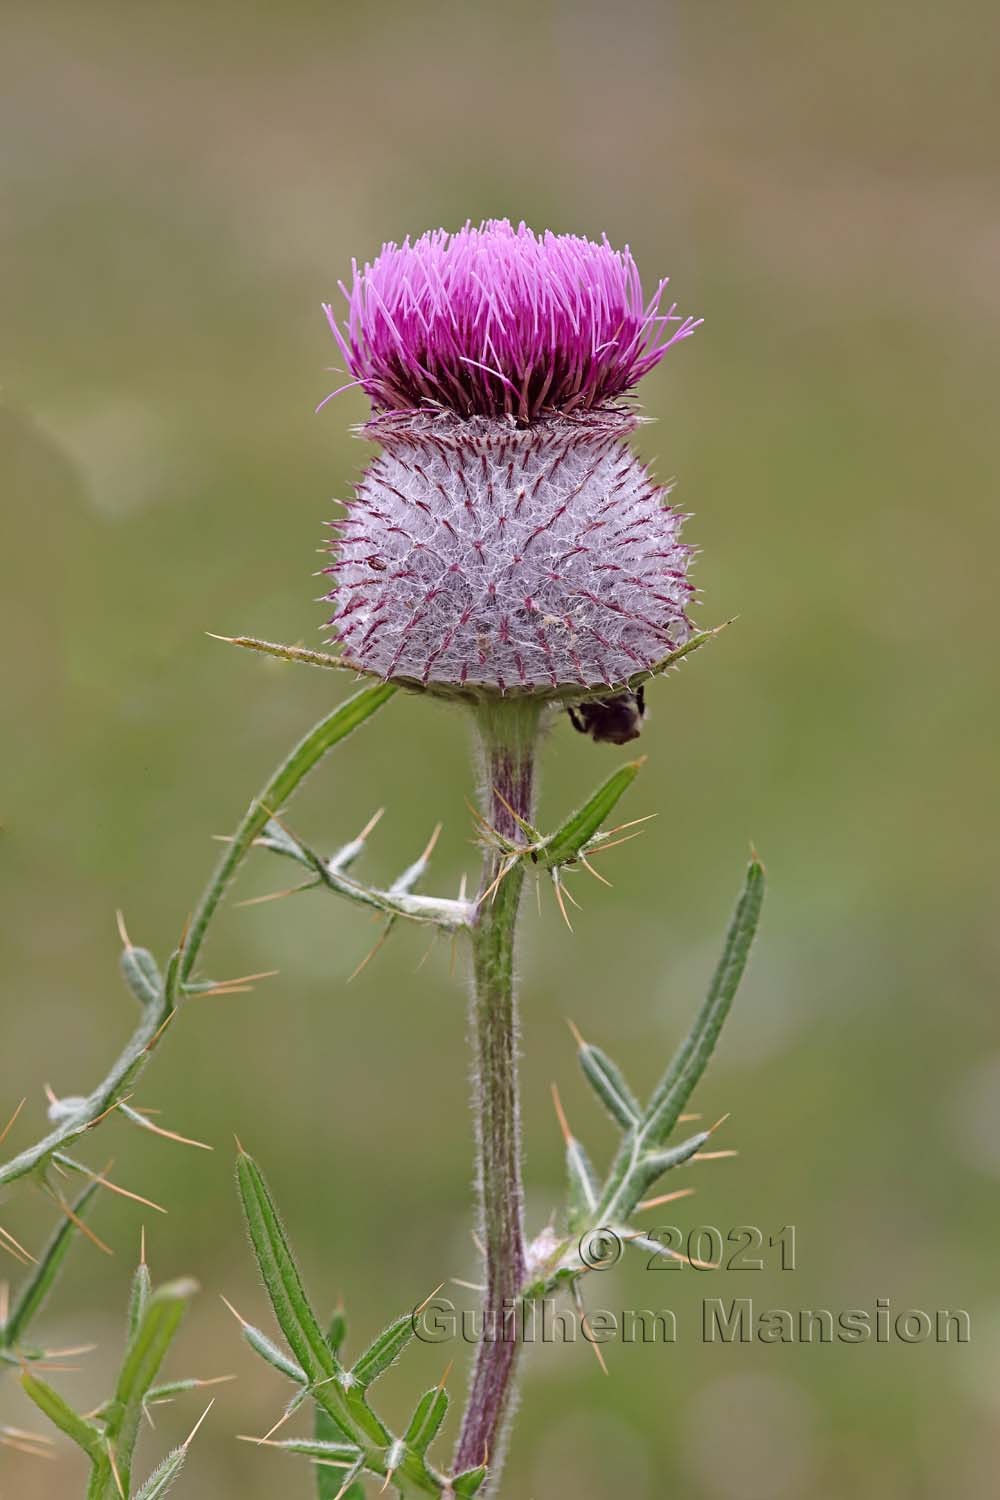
498,321
507,539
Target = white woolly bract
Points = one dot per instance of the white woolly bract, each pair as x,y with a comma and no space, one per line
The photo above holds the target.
479,553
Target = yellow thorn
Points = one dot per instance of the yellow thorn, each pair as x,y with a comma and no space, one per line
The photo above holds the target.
344,1488
123,930
448,1368
432,841
291,890
664,1198
388,1481
721,1121
596,873
71,1353
172,1135
567,1134
372,823
575,1033
149,1047
562,904
75,1219
7,1128
239,1145
241,1320
685,1119
712,1155
41,1438
123,1192
279,1423
114,1470
21,1254
427,1300
570,897
192,1434
370,954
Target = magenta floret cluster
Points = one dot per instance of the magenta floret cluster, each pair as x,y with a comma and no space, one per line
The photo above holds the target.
507,539
498,321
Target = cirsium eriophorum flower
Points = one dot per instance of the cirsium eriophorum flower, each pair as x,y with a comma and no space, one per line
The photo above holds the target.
507,538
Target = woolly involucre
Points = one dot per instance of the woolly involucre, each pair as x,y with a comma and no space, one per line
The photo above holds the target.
476,552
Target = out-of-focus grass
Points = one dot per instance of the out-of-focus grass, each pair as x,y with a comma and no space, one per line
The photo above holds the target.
186,184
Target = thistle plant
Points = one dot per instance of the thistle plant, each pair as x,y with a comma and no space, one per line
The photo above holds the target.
509,553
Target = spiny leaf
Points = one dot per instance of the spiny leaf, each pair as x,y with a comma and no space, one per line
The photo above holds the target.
425,1424
32,1294
469,1483
384,1351
280,1274
141,973
584,1189
691,1058
328,732
568,840
340,1453
163,1476
608,1082
653,1164
139,1296
157,1325
59,1411
336,1333
268,1350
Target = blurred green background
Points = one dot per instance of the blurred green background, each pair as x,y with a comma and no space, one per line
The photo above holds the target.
182,186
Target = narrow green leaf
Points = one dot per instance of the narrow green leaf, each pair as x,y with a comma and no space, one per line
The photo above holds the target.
59,1411
691,1058
384,1351
280,1274
142,975
154,1333
340,1453
290,774
336,1333
263,1346
163,1476
567,841
652,1165
139,1295
608,1082
33,1293
147,1348
329,1481
469,1483
425,1424
328,1430
584,1189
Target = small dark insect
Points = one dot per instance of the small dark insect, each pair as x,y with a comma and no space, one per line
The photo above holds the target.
611,721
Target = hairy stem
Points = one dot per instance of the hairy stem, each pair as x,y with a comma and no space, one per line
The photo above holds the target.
508,733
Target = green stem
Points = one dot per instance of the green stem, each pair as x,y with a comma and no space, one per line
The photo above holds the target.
508,732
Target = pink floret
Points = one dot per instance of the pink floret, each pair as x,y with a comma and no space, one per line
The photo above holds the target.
495,321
